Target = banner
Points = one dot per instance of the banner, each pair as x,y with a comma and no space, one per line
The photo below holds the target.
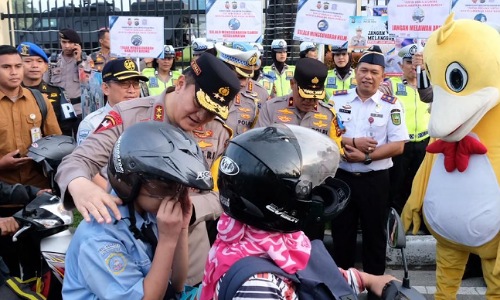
234,21
367,31
478,10
141,37
323,22
417,18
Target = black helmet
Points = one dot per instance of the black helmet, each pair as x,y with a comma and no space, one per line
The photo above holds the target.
155,150
278,178
51,149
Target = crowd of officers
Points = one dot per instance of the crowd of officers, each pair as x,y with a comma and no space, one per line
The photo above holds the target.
379,123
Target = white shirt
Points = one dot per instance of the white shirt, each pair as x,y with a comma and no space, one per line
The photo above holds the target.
376,117
90,123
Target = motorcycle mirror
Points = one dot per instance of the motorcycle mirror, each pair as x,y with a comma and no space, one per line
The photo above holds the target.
396,237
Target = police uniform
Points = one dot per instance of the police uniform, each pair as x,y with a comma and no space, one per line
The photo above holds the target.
281,80
245,106
99,59
91,122
64,110
417,118
106,261
15,133
212,78
155,84
335,85
382,118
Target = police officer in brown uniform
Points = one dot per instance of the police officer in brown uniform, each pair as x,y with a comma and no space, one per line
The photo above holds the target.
203,92
35,63
101,57
64,70
245,107
305,107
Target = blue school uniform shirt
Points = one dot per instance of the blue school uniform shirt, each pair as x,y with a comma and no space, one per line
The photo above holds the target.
106,261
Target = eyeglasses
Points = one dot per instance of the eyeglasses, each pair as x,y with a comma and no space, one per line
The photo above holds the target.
161,189
126,84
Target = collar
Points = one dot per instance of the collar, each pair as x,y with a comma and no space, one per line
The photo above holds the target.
375,97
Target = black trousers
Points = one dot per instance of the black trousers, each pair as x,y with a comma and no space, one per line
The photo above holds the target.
403,171
369,205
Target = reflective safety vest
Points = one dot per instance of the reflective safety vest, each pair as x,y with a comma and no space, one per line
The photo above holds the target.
416,112
336,85
155,85
281,83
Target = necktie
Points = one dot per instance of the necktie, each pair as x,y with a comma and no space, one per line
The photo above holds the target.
457,154
149,235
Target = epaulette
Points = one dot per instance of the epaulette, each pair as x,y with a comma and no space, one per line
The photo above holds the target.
388,98
229,130
138,102
340,93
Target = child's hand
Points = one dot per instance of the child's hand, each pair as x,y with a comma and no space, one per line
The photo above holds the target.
170,219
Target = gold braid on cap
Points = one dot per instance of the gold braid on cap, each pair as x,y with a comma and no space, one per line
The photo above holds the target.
366,52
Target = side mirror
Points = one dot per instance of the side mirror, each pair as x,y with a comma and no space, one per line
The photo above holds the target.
396,237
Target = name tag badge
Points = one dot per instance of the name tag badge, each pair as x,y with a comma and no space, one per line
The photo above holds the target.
377,115
153,82
36,134
345,111
401,90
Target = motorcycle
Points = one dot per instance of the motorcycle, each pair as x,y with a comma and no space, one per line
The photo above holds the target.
44,225
396,239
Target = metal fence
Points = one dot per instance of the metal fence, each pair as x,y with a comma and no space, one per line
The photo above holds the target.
183,20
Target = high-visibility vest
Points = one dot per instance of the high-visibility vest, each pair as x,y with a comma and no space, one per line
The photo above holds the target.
281,83
155,85
417,113
333,83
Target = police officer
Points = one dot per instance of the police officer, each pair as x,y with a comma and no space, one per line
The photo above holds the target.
304,106
308,49
358,40
415,103
101,57
35,63
279,71
375,132
120,82
341,78
253,86
203,92
64,69
163,73
245,107
202,45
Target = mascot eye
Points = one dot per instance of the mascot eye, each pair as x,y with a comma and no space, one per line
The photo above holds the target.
456,77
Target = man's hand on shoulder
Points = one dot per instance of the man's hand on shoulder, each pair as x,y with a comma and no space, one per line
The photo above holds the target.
90,199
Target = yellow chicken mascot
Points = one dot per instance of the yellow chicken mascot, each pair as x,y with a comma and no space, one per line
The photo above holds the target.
457,188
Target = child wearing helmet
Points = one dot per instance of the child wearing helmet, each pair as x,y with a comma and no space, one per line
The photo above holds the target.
272,182
143,255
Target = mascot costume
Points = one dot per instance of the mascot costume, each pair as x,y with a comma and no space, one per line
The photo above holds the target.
457,188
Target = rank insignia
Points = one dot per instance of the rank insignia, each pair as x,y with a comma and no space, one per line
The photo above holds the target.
111,120
244,109
320,116
284,119
202,144
285,111
159,113
203,134
245,116
319,124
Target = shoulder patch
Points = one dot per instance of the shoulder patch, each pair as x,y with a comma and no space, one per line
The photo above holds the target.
116,263
111,120
388,98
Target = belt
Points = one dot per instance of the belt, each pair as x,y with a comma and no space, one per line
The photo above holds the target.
361,174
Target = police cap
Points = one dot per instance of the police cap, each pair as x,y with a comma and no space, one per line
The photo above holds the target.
373,56
216,84
310,75
201,45
409,50
30,49
121,69
245,62
169,51
339,49
279,45
70,34
306,46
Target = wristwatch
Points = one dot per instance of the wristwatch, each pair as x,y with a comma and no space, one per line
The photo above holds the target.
368,159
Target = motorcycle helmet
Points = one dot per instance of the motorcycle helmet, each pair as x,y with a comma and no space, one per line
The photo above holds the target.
155,150
280,177
50,150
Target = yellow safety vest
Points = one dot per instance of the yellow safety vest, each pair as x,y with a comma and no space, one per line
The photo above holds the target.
416,112
155,85
335,85
281,84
